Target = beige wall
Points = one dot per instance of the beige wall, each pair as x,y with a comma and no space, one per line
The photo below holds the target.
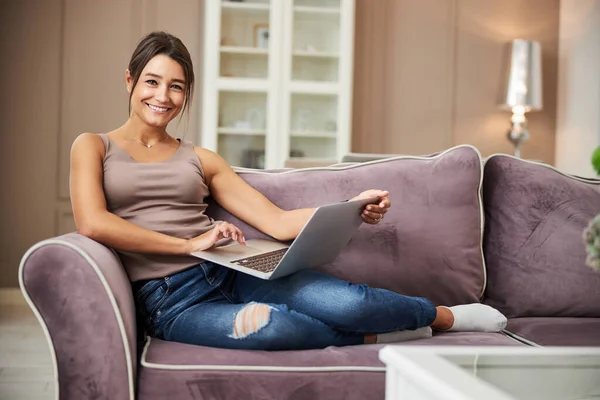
578,119
29,112
428,74
403,76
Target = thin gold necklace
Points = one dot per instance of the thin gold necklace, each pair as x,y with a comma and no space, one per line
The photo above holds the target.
146,144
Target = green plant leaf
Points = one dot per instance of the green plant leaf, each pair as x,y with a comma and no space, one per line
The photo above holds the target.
596,160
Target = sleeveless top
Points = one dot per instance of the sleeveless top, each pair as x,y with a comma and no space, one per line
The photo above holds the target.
166,197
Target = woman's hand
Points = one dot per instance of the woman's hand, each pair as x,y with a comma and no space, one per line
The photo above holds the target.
209,239
373,213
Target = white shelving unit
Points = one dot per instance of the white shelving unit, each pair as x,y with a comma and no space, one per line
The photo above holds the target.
277,80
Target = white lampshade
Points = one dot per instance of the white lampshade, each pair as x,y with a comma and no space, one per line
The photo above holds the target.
524,83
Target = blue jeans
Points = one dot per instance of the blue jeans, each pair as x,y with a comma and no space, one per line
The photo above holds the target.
306,310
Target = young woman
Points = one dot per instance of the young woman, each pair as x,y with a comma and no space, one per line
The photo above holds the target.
142,192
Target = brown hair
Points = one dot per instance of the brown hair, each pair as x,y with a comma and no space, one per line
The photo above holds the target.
156,43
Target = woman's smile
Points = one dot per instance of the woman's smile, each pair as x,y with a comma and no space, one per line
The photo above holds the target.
158,109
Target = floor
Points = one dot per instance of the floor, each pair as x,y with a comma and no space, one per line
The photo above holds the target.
26,370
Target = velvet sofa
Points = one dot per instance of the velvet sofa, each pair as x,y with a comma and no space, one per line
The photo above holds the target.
505,231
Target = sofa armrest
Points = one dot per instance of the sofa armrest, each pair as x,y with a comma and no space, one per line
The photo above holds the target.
82,297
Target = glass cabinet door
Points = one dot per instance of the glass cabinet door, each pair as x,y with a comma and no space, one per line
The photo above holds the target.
244,44
314,77
242,128
243,82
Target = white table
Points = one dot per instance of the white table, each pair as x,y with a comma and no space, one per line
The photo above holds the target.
491,373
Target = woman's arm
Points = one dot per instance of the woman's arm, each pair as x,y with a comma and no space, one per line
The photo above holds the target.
248,204
89,206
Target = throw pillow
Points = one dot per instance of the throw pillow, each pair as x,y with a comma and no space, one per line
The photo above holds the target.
533,246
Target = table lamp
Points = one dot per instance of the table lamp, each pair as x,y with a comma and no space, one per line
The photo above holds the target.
523,88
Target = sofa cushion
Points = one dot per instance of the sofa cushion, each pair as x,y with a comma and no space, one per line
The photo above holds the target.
557,331
182,371
533,244
428,244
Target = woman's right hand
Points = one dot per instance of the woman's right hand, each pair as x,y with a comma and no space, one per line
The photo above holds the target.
209,239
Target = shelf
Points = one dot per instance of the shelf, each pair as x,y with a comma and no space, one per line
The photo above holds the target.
314,87
242,84
243,50
244,6
316,54
317,10
241,131
314,134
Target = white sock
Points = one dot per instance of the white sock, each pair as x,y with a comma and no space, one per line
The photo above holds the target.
477,317
403,336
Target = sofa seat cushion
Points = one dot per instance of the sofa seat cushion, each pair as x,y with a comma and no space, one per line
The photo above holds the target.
535,255
183,371
428,244
557,331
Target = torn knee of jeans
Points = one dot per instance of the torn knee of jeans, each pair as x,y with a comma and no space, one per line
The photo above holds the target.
251,319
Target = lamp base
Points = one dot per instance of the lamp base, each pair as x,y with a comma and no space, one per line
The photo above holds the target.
517,137
518,132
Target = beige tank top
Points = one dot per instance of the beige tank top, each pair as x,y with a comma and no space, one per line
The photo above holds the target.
166,197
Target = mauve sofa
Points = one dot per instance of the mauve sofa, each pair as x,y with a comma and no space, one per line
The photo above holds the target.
506,232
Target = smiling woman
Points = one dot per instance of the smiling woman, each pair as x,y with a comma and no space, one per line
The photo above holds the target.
143,193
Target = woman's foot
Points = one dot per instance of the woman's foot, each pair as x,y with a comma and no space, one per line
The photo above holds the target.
474,317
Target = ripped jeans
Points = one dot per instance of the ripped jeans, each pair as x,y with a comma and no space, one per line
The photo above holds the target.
210,305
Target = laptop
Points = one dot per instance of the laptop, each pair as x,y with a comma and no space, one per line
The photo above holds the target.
319,242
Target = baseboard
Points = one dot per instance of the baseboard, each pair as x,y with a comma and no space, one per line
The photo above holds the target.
12,297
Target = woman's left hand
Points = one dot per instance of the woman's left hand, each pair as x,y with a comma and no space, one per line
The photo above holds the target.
373,213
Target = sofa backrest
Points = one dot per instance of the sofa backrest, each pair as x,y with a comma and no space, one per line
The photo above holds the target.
428,244
533,243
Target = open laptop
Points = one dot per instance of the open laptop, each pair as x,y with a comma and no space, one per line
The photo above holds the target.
319,242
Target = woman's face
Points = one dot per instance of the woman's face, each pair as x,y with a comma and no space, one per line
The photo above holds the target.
160,92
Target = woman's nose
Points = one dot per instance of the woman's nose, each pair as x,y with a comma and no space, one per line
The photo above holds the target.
161,94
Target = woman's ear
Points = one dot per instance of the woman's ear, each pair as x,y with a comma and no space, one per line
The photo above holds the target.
128,80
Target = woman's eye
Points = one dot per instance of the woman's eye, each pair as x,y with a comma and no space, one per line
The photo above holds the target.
177,87
151,82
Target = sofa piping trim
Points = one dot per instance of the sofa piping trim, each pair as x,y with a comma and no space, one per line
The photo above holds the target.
111,297
541,164
481,223
253,367
520,338
345,166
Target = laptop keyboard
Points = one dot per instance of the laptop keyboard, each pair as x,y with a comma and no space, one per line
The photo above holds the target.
265,262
